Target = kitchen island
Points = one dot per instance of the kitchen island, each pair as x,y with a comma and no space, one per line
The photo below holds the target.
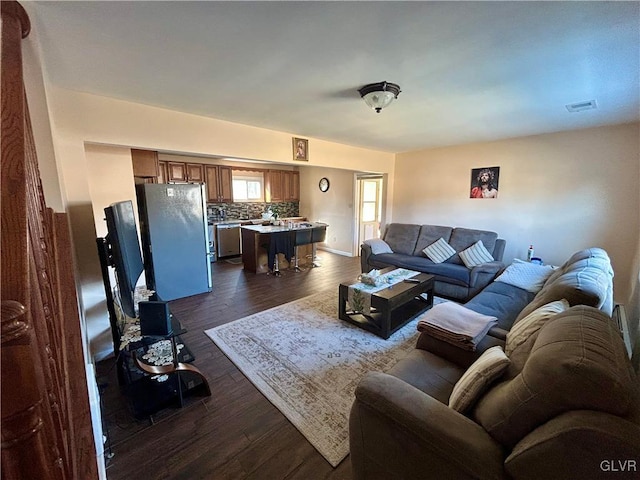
256,240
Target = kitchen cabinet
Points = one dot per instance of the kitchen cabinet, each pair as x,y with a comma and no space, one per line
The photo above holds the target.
273,186
219,183
282,186
162,171
176,172
291,186
145,163
195,172
185,172
279,185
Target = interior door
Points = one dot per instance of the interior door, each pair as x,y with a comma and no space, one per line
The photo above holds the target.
370,207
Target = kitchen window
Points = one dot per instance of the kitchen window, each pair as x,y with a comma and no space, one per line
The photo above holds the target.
248,187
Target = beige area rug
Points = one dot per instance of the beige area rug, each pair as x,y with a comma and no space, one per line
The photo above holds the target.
308,363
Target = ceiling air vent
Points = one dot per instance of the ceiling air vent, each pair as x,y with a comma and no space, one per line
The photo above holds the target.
580,106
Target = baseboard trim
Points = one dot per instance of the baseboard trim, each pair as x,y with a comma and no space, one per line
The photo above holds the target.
337,252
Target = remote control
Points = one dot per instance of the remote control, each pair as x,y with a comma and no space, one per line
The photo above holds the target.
412,280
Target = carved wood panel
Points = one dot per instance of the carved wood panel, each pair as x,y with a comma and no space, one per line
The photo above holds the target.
46,421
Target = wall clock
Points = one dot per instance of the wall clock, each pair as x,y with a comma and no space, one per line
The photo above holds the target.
324,184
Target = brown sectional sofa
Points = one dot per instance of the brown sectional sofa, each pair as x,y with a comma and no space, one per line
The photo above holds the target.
567,406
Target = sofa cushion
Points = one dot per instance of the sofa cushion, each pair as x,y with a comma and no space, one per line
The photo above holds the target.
478,377
585,279
578,362
475,255
402,237
429,234
500,300
429,373
454,274
438,251
378,246
463,238
527,275
525,331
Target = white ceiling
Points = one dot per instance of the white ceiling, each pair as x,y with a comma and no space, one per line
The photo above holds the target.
469,71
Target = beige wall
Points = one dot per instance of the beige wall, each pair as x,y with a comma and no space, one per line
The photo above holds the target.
115,122
110,180
560,192
81,123
38,108
335,206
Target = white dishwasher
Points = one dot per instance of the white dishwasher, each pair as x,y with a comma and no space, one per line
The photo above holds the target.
228,239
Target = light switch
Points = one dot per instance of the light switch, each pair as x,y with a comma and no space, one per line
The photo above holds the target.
170,192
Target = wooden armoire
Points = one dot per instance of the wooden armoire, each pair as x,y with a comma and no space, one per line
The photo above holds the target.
46,420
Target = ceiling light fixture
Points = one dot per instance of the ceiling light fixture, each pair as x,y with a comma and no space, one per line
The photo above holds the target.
379,95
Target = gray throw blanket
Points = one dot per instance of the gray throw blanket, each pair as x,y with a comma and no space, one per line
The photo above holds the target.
455,324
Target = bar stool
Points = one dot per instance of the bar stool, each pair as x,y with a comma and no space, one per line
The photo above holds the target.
318,234
301,237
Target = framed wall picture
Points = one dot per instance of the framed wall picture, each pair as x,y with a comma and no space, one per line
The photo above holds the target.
301,149
484,182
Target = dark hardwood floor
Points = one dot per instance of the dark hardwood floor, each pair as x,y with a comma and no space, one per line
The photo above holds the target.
236,433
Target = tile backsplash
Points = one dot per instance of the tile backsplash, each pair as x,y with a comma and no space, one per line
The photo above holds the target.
246,211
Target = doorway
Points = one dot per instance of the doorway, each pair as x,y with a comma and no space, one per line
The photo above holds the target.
369,207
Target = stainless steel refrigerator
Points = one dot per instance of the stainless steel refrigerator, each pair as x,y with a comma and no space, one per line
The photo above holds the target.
175,239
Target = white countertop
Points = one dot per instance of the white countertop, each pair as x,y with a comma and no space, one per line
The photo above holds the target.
253,221
281,228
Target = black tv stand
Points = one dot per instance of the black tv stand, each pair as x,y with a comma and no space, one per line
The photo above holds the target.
149,387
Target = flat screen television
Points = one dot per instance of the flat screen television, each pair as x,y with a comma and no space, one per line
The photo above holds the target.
124,250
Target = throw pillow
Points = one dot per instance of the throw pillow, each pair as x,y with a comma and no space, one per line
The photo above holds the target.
526,328
378,246
439,251
526,275
475,255
478,377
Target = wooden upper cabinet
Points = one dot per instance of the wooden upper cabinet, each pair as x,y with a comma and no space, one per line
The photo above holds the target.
219,183
176,172
282,186
291,185
226,184
185,172
295,187
279,185
274,188
145,163
286,185
212,173
195,172
162,172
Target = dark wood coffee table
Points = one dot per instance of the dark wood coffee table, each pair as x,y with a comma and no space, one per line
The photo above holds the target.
391,308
